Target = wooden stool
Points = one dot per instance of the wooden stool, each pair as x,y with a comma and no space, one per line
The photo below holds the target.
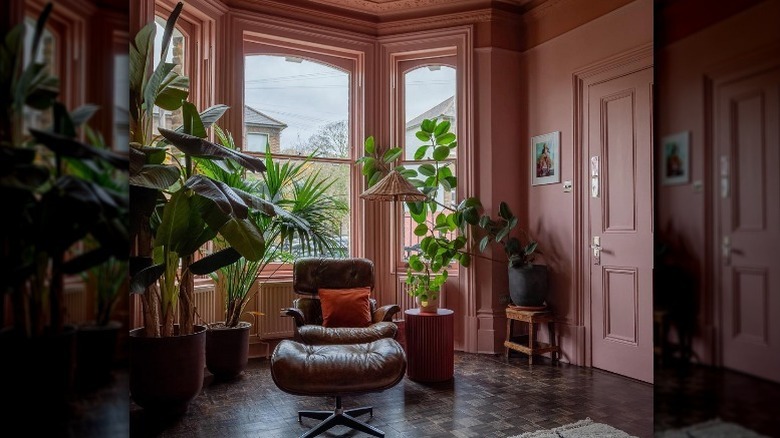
526,343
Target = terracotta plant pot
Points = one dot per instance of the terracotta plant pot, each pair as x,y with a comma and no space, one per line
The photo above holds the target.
96,346
166,374
430,306
227,349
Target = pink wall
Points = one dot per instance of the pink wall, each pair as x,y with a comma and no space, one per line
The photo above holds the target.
682,210
546,99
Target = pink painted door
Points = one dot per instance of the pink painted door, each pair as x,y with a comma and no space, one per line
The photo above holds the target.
747,138
620,216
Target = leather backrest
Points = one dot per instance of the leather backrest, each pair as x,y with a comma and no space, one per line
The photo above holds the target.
310,274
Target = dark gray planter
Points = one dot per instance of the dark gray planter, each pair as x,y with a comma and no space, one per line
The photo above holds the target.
227,349
528,285
166,374
96,345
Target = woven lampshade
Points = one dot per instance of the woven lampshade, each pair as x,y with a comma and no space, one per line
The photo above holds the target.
393,187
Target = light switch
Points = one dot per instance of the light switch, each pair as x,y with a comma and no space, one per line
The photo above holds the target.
698,186
567,187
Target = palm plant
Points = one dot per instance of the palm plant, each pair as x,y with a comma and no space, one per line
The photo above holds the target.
304,213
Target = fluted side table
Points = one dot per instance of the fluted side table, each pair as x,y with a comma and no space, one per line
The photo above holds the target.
430,345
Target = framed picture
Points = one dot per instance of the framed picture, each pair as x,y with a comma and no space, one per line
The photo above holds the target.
546,159
675,163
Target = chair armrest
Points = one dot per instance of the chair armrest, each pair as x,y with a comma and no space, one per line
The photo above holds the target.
296,314
385,313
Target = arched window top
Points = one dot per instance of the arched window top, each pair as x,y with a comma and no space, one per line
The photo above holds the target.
47,48
176,50
308,99
429,93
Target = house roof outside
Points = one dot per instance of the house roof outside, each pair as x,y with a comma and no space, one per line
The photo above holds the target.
253,117
444,110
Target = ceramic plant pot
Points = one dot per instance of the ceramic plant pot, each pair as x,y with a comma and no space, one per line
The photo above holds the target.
227,349
166,374
528,285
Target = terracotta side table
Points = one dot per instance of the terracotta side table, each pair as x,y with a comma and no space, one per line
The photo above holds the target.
430,345
526,343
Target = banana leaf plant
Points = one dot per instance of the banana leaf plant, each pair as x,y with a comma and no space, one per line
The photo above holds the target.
48,208
175,210
304,210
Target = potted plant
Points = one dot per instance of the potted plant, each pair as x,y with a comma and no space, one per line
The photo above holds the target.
303,213
49,208
527,280
443,226
175,212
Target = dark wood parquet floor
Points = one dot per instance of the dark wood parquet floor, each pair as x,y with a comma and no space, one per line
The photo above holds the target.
688,393
489,397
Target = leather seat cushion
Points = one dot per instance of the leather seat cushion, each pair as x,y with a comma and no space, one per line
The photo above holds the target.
332,370
319,335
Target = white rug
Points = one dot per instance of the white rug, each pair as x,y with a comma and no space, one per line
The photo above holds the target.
586,428
710,429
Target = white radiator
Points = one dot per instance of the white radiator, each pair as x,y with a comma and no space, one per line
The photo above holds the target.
270,299
208,306
76,303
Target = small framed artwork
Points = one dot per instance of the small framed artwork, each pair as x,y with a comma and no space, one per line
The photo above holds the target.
546,159
675,165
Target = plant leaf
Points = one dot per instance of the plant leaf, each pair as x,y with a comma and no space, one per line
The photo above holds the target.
369,145
427,169
392,154
213,262
441,153
145,278
198,147
483,243
504,212
156,176
441,128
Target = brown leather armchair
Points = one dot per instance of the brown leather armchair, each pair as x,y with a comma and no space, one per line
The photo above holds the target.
311,274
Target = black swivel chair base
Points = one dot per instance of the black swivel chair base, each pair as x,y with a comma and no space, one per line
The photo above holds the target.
340,417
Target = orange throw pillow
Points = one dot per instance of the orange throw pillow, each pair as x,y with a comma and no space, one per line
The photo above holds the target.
345,307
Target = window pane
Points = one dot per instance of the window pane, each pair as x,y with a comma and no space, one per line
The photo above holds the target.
256,142
121,103
47,55
303,105
317,193
429,94
164,118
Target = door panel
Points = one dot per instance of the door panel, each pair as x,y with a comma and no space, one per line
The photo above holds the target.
748,143
620,135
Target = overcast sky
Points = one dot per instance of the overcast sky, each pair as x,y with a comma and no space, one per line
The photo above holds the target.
308,95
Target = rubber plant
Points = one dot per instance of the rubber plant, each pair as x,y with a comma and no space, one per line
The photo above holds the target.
48,206
443,227
176,210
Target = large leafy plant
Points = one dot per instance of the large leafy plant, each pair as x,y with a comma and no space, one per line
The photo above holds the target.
49,206
304,214
176,210
443,226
